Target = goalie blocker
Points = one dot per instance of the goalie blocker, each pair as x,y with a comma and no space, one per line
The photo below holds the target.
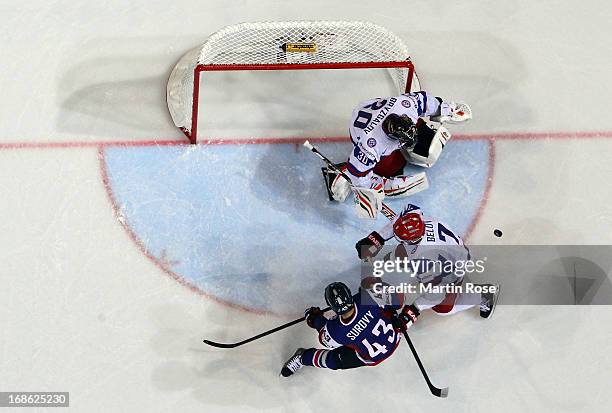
432,137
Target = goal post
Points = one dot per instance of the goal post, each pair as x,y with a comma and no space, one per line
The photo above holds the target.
297,45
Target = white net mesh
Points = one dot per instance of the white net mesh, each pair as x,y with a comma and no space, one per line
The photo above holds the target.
276,43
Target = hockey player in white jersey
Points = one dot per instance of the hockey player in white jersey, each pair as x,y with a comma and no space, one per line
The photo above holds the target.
427,240
386,134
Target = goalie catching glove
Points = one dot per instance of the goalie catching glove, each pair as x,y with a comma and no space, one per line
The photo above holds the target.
453,112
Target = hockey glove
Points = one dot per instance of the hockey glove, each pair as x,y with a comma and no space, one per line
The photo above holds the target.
311,315
369,246
453,112
340,188
404,320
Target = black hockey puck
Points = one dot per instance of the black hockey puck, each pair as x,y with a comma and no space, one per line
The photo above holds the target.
497,233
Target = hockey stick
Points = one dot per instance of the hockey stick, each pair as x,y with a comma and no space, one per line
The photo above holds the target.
433,389
386,211
258,336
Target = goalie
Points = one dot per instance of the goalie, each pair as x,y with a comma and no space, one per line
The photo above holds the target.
387,133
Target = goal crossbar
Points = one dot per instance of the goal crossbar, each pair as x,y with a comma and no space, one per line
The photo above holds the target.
263,46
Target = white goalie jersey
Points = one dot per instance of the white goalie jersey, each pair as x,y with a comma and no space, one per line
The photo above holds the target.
386,134
370,142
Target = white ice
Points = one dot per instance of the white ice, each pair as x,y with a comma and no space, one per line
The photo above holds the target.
82,309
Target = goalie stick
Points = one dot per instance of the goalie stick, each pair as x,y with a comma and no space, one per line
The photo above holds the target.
258,336
386,211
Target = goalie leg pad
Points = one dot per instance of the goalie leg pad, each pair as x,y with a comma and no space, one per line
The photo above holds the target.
406,185
368,201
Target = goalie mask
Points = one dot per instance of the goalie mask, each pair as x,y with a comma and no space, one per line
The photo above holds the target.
409,228
401,128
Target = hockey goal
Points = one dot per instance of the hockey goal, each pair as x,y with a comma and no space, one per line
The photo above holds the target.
297,45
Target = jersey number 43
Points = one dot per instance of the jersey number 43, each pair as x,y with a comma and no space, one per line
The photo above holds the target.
375,348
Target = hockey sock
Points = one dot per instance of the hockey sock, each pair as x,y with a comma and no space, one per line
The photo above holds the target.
319,358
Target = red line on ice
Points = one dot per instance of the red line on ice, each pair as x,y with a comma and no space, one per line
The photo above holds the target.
294,140
101,145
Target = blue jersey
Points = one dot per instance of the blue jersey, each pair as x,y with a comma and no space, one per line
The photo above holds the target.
370,332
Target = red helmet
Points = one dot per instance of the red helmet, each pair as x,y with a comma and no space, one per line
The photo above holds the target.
409,228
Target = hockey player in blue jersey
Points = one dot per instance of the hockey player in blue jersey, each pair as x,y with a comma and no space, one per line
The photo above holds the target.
365,331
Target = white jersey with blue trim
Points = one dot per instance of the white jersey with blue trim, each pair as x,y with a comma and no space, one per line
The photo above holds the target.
371,143
439,244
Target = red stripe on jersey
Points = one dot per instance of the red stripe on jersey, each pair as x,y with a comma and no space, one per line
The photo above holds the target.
356,172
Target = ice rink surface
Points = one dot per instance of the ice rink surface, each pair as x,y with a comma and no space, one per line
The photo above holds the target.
123,247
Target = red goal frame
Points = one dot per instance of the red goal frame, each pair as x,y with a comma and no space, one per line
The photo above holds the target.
294,66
